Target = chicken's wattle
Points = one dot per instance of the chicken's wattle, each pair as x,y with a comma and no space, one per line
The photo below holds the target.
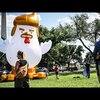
27,40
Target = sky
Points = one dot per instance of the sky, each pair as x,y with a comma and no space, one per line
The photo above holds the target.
49,20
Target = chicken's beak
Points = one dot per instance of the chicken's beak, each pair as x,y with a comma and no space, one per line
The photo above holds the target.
26,35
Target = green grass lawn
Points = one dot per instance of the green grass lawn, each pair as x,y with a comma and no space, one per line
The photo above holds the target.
64,80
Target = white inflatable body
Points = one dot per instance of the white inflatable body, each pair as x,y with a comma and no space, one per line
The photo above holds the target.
32,50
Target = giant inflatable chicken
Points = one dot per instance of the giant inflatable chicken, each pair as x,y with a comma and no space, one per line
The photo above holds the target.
25,38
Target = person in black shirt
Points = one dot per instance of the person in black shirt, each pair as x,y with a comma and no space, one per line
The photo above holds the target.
86,71
21,69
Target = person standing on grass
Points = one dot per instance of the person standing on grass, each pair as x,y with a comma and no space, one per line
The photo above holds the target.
86,71
21,70
56,71
87,66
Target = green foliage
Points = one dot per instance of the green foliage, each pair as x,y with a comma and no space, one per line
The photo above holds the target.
80,25
60,53
2,58
94,30
81,29
89,58
4,62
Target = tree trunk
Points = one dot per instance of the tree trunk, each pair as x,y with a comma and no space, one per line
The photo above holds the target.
85,46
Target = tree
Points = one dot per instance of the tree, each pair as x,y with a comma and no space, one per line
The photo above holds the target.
94,31
83,30
4,62
60,53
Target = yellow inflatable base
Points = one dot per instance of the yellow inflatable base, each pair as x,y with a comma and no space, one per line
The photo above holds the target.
31,74
3,77
11,77
41,75
7,77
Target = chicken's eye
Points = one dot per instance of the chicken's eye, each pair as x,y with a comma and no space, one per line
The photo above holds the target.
21,29
31,31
